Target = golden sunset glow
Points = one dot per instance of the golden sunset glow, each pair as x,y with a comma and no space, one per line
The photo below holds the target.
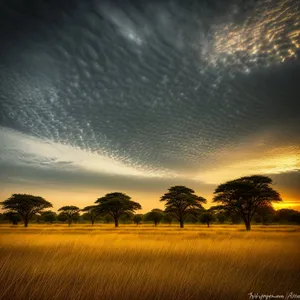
271,34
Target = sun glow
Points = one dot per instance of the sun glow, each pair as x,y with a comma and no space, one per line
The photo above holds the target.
270,163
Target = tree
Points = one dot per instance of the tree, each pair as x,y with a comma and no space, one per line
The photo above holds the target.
235,218
192,218
265,213
48,216
25,205
108,219
70,212
76,218
181,201
117,204
91,213
287,215
137,219
221,218
62,217
155,215
12,217
207,218
127,218
168,219
245,195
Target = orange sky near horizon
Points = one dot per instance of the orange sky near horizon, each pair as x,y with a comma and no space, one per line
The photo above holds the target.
148,200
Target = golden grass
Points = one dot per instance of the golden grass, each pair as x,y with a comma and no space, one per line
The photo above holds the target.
143,262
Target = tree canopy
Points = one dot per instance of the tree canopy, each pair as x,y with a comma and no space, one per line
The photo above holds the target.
116,204
12,217
25,205
181,201
48,216
207,218
245,195
155,215
137,219
70,212
91,212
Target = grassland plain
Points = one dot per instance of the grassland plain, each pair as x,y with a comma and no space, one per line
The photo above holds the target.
143,262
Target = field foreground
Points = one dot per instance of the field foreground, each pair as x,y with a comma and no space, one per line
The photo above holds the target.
143,262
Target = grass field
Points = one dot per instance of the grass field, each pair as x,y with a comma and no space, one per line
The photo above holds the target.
143,262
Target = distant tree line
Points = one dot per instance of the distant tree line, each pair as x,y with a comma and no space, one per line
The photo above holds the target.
244,200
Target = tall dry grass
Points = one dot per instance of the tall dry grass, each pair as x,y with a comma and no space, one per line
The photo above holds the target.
143,262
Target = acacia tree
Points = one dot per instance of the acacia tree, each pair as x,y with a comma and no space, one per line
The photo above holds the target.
91,212
168,219
207,218
25,205
126,218
181,201
116,204
137,219
70,212
155,215
12,217
219,213
62,217
265,213
49,216
287,215
245,195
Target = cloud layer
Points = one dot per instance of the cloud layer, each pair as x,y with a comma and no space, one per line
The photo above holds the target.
145,92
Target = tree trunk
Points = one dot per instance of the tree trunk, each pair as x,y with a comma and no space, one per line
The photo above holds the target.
181,222
116,222
155,224
25,222
93,221
248,225
70,222
207,224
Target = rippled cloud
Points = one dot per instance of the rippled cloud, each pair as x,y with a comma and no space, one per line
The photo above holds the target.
199,92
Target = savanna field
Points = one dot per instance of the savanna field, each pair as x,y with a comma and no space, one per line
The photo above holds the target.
146,262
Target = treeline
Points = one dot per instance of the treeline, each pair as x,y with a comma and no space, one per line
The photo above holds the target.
158,216
246,199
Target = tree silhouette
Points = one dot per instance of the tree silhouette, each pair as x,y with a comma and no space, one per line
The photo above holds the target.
116,204
70,212
206,218
245,195
76,218
168,219
25,205
137,219
287,215
126,218
155,215
265,213
91,212
12,217
219,212
181,201
48,216
221,218
62,217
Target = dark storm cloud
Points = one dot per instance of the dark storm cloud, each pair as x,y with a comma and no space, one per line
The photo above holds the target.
129,80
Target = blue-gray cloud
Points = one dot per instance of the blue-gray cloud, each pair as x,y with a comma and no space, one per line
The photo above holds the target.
137,82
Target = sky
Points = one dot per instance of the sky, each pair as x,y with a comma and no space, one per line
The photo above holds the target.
138,96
